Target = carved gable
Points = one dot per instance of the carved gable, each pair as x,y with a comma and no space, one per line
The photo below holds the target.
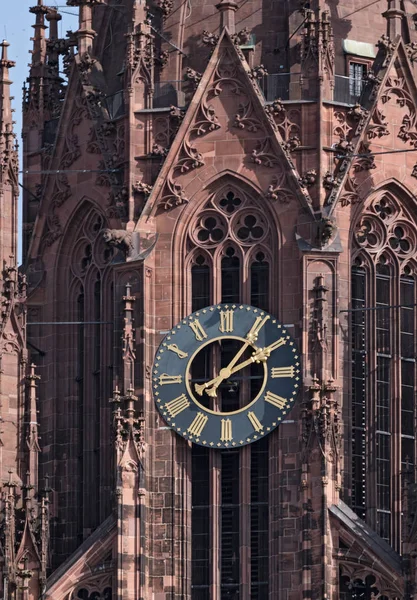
373,140
228,126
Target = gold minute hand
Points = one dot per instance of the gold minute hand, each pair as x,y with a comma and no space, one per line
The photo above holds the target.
260,355
210,387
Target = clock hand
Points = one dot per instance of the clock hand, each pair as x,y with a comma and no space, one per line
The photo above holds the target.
210,387
260,355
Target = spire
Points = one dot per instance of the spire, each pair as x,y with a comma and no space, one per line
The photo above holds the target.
394,16
227,9
39,42
5,104
85,34
32,439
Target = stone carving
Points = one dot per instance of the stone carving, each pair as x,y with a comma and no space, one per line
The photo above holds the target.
174,194
325,231
161,60
242,38
387,47
276,193
349,194
309,178
293,143
317,48
275,109
210,39
378,125
258,72
193,76
245,118
165,6
412,51
263,155
365,159
120,238
357,112
142,188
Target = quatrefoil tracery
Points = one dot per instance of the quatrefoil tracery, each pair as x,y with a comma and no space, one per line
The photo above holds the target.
232,218
386,226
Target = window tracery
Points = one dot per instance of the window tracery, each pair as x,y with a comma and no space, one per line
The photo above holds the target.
383,363
357,583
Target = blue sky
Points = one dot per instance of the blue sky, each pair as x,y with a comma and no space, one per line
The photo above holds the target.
16,27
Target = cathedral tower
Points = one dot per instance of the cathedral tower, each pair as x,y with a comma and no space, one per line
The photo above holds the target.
220,248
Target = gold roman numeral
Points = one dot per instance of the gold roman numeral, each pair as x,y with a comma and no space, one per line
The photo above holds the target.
165,379
174,407
198,330
256,424
277,401
226,321
198,424
282,372
174,348
226,430
256,327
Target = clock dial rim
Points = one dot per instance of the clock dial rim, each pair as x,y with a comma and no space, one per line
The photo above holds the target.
270,408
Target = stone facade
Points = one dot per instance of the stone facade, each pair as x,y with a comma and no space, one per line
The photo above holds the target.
199,152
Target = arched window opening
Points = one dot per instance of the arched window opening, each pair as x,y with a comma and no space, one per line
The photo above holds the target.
230,230
383,320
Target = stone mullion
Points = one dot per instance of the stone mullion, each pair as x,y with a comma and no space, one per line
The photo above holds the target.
395,416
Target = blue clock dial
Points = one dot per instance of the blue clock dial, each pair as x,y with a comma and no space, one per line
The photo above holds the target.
226,375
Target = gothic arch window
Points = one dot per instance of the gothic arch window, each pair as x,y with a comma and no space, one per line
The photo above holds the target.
383,364
84,270
230,243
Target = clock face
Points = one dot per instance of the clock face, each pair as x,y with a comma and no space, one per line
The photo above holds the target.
226,375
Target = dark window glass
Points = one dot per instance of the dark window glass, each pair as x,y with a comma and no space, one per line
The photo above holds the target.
358,390
200,273
408,366
357,73
80,383
259,520
230,551
200,522
383,314
383,400
230,277
260,282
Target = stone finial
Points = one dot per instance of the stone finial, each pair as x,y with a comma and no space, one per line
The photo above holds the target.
394,16
53,17
39,42
5,104
85,34
227,9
